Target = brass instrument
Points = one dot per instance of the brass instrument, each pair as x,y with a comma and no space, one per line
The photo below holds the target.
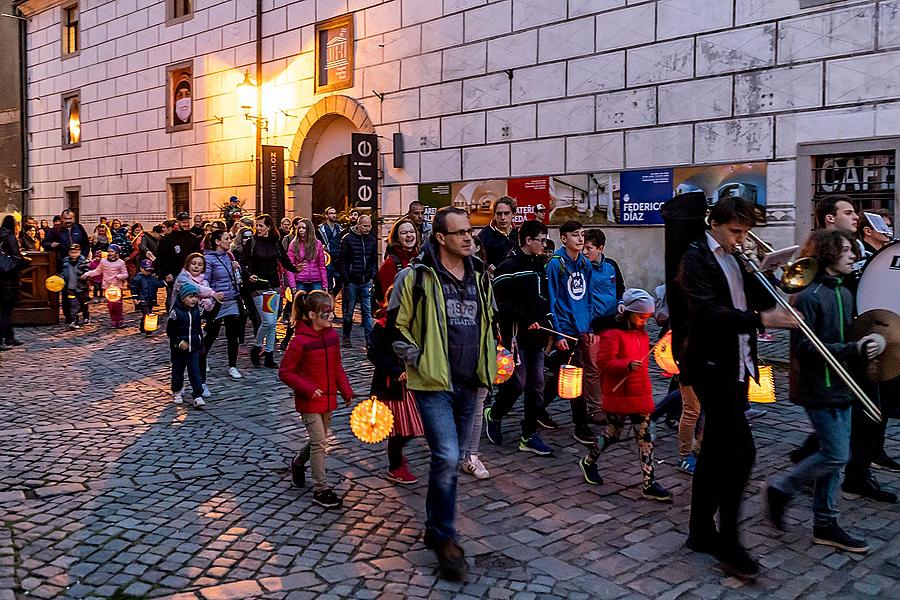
795,274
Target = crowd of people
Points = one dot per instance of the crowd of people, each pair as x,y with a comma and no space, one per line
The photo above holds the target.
443,300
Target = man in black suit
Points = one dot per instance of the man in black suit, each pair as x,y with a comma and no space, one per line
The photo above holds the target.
725,308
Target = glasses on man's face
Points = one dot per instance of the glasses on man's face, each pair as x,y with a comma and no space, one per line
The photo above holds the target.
461,233
418,212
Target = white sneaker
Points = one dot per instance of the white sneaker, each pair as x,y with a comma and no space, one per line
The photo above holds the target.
207,367
234,373
199,402
206,392
177,398
474,467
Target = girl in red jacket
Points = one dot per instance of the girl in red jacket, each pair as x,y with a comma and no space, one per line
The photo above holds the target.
622,354
312,368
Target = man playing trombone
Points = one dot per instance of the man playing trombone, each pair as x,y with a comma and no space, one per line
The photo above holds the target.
827,308
725,308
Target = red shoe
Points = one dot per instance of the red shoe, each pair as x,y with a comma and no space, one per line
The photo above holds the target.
402,475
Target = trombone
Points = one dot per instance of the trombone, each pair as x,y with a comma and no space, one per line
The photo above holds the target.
797,275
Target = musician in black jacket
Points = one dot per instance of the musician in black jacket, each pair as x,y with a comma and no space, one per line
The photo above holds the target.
725,308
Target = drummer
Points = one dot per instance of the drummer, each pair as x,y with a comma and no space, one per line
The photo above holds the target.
873,239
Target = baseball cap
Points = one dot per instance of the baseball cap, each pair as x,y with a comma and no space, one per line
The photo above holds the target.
182,216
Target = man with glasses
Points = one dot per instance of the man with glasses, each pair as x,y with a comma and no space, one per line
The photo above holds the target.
443,308
416,214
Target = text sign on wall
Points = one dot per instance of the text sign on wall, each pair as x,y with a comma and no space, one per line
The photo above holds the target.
363,188
273,181
334,54
642,194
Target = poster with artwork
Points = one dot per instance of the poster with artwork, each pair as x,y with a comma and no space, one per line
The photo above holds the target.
529,193
642,195
591,198
434,196
179,101
739,180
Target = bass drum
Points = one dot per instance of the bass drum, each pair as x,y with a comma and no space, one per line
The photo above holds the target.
879,284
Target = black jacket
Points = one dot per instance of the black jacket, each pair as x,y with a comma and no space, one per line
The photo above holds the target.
520,287
260,256
183,324
827,307
65,238
358,257
711,349
9,281
496,244
388,366
172,251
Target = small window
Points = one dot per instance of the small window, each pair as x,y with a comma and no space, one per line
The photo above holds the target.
71,119
73,200
179,10
180,195
71,42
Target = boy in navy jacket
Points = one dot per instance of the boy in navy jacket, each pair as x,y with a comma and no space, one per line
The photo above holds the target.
186,343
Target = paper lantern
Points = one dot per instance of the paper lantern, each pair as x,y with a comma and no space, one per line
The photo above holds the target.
371,421
506,365
288,294
113,293
764,391
570,381
55,283
662,353
151,322
327,258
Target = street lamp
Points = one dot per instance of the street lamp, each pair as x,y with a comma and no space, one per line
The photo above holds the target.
246,91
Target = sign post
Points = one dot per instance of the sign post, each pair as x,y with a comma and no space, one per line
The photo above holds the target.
273,181
363,187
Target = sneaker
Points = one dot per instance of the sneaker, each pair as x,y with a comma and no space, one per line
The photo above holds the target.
86,322
298,472
474,467
74,326
886,463
765,337
326,499
688,464
754,413
591,474
234,373
177,398
546,421
833,535
654,491
4,347
869,488
199,402
534,444
402,475
492,428
738,561
775,502
451,560
206,393
585,435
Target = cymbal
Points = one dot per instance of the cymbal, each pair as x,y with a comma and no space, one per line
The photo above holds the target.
887,324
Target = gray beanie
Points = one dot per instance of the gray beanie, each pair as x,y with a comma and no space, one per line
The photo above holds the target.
638,301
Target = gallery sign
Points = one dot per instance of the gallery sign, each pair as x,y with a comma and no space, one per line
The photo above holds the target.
334,54
273,181
363,186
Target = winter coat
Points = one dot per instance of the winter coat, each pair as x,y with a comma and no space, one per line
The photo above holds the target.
607,287
261,256
120,237
147,244
64,238
72,272
220,275
206,292
520,284
9,282
569,283
615,349
172,250
496,244
331,237
388,368
144,287
359,257
183,324
313,361
827,307
396,260
111,273
313,271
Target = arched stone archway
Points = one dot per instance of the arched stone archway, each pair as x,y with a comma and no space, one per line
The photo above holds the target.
323,115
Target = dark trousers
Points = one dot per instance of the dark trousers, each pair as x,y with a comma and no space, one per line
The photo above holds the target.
866,436
191,360
255,319
553,362
234,327
725,461
74,302
529,378
6,310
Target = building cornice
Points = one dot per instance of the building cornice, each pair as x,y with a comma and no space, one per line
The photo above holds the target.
29,8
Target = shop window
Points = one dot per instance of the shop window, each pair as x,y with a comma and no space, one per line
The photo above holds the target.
71,119
866,177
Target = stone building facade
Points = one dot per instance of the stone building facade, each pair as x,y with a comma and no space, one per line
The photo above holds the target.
478,89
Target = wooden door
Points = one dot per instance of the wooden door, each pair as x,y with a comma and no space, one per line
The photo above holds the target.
37,306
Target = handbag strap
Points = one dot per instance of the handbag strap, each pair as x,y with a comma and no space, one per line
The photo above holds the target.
230,270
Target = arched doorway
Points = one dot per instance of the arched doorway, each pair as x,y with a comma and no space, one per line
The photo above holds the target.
330,186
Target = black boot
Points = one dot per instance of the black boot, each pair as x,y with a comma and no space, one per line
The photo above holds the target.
255,352
269,360
298,472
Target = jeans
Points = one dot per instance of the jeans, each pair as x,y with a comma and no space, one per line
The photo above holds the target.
822,469
529,378
73,303
268,317
191,360
353,293
447,419
317,426
688,438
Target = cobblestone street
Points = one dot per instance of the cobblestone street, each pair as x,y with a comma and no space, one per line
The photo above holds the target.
108,490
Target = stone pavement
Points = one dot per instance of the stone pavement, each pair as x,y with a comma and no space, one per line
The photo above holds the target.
108,490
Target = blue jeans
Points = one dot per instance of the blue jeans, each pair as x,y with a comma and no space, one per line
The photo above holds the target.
268,316
353,293
447,419
307,287
823,469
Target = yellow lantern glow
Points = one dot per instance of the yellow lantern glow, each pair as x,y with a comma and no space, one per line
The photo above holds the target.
113,293
662,353
506,365
371,421
288,294
327,258
246,92
764,392
55,283
151,322
570,378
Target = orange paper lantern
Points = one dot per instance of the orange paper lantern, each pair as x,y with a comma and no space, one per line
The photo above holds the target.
764,391
151,322
570,378
371,421
506,365
113,293
327,258
662,353
55,283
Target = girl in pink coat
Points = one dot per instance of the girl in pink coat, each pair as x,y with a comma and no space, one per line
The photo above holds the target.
113,272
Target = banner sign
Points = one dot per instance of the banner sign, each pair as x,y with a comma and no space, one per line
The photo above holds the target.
334,54
273,181
642,194
434,196
528,192
363,189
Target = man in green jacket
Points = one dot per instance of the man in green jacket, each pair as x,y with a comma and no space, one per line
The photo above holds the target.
443,309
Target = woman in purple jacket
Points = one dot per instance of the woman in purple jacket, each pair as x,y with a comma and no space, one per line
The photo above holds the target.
223,274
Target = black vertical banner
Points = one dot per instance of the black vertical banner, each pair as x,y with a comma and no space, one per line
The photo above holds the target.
273,181
363,188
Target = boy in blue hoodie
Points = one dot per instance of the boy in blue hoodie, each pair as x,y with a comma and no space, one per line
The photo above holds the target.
569,284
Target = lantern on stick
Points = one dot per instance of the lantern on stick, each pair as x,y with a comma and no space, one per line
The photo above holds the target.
113,293
662,353
151,322
506,365
764,391
327,258
371,421
55,283
570,379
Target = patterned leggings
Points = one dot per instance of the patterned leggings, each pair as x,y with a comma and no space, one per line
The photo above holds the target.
615,423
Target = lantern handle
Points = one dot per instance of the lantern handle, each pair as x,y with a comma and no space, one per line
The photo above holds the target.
646,356
568,337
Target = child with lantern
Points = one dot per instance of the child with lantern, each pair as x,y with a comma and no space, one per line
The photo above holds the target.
114,275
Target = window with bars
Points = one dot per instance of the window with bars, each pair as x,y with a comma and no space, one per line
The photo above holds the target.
866,177
73,200
180,195
70,30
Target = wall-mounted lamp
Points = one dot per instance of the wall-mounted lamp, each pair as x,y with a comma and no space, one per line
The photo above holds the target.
219,120
287,114
380,95
246,91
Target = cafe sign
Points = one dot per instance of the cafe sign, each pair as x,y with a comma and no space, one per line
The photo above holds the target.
334,54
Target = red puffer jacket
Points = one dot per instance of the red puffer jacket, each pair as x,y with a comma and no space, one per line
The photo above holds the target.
313,361
616,348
